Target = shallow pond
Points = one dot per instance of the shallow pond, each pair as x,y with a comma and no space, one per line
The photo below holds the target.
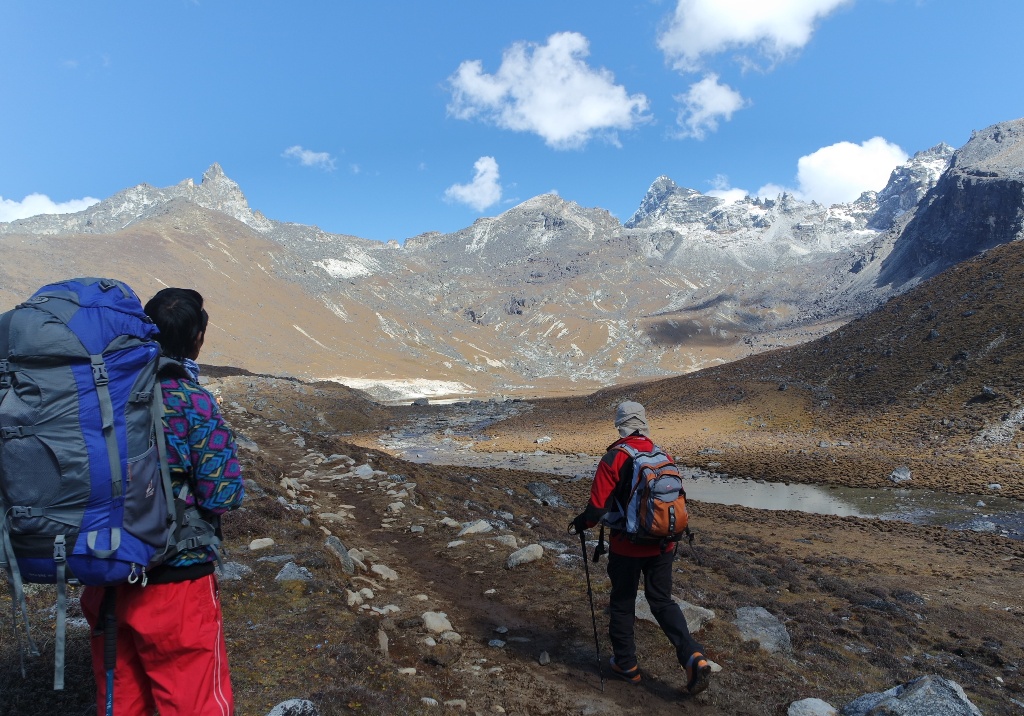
981,513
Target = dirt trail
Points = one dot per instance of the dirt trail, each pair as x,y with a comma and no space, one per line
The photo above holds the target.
867,604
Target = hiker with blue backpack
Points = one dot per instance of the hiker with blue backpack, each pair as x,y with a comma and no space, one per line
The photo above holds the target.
171,653
114,468
637,492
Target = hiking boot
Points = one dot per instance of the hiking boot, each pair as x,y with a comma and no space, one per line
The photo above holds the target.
698,674
630,675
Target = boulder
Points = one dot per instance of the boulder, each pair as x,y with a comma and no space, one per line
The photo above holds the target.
546,494
696,617
760,625
929,695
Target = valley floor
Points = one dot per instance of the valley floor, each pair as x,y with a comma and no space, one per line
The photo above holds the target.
867,604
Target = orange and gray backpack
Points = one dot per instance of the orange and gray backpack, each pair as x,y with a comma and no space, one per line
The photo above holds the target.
655,510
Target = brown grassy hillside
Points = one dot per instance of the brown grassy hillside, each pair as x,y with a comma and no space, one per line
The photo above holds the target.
932,380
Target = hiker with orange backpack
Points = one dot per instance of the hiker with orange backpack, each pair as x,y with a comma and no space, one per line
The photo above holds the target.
637,492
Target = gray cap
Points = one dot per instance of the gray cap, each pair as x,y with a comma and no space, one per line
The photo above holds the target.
630,417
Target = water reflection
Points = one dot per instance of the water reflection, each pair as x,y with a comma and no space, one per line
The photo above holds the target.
980,513
983,513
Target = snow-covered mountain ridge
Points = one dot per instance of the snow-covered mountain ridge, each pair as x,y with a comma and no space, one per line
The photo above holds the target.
551,293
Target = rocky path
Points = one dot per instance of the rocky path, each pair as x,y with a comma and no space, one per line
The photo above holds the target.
427,589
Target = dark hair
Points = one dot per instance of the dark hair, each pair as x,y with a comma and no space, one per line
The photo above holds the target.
179,314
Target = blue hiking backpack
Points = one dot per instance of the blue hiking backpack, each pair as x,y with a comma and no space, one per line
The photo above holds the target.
85,488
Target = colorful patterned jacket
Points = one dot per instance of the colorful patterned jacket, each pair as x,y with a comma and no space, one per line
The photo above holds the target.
201,449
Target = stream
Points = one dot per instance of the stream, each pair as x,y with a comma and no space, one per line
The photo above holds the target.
419,441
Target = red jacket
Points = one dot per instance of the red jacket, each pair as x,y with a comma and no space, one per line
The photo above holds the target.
613,477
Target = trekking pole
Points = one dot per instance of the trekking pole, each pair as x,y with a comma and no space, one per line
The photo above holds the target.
109,621
693,548
590,596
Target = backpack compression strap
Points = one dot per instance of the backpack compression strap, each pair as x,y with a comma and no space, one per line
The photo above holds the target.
8,559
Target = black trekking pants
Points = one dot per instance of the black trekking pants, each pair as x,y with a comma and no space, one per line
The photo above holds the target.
625,575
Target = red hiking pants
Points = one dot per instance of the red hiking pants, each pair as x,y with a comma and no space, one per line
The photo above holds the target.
171,655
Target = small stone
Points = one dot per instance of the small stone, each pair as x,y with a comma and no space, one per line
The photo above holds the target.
811,707
334,547
529,553
363,471
436,622
294,707
478,527
430,641
385,572
456,543
382,641
366,593
407,671
292,572
353,599
507,541
421,598
427,701
455,703
261,543
235,571
451,637
900,474
543,659
416,529
496,643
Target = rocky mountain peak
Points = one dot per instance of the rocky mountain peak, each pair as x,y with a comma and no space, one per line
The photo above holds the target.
667,203
216,192
974,206
995,151
908,184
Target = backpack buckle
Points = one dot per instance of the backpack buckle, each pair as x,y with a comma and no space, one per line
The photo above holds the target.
99,373
18,512
10,433
59,549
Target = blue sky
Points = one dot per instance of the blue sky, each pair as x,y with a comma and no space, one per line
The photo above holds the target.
389,119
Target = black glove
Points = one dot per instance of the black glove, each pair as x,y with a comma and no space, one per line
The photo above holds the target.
580,523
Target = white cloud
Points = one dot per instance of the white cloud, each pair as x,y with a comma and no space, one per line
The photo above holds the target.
836,174
722,190
548,90
483,191
772,191
707,102
309,158
700,28
34,204
841,172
